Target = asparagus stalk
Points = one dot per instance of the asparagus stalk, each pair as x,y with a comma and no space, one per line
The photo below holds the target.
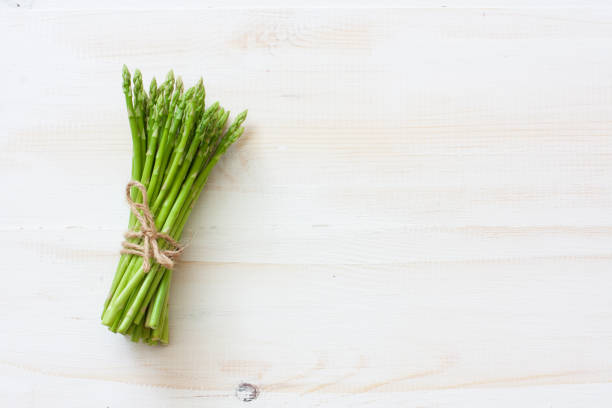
136,166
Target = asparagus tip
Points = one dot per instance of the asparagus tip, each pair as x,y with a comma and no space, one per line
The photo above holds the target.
137,82
153,88
224,118
126,80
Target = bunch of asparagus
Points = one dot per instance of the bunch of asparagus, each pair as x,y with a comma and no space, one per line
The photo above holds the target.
177,141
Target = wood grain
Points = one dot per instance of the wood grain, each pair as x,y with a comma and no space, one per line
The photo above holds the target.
420,213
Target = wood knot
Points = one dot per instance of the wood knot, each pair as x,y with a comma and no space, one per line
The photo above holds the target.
246,392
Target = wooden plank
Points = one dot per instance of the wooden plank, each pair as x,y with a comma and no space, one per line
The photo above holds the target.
224,4
418,215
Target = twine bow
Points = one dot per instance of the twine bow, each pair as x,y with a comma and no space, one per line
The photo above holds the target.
149,234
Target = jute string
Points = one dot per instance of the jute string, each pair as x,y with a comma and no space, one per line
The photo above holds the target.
149,234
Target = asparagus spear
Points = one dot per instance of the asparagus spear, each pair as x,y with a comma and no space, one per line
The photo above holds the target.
136,166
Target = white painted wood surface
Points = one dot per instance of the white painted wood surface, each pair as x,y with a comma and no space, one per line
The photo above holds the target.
419,215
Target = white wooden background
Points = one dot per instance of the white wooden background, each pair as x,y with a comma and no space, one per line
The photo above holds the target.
419,215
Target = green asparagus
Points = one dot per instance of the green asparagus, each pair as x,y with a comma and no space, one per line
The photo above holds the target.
176,141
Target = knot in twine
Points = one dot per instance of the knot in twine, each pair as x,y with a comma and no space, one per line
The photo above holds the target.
149,234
